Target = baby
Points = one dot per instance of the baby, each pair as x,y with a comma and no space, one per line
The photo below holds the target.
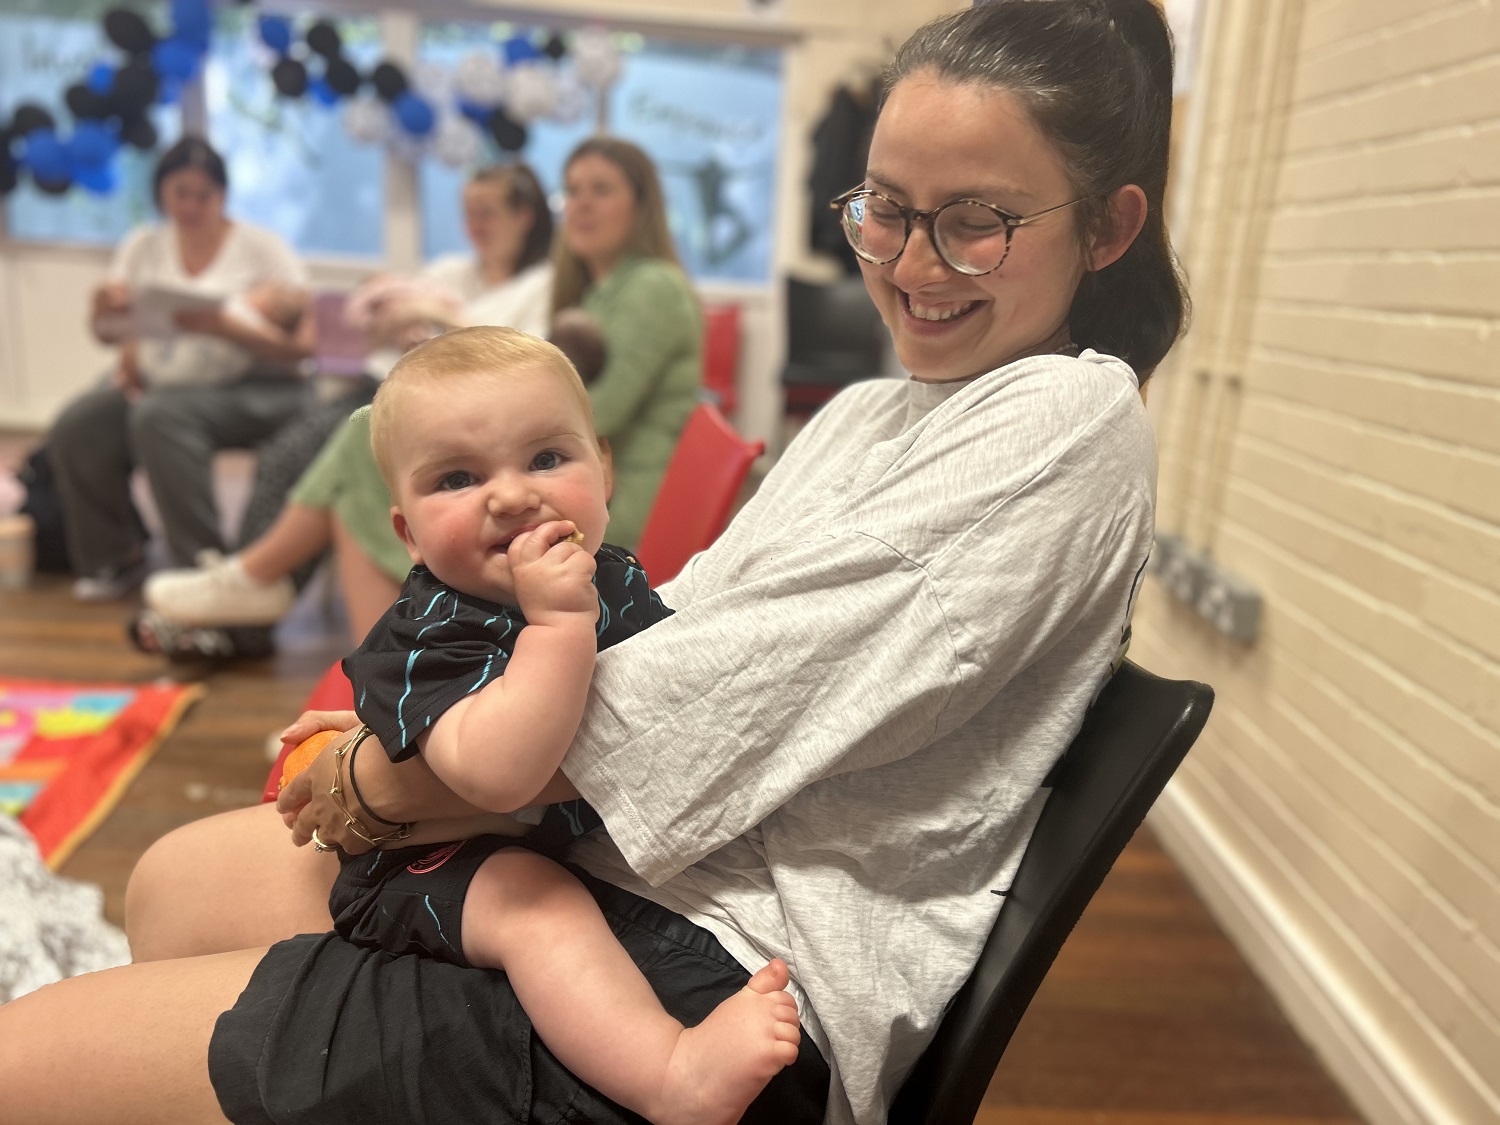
269,309
486,441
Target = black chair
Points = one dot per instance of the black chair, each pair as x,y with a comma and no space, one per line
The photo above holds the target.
1132,739
834,337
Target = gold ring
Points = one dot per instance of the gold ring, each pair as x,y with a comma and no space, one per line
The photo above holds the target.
318,845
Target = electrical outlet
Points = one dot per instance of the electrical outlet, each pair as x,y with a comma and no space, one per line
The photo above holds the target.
1231,605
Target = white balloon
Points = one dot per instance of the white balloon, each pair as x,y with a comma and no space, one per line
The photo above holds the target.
403,146
596,61
572,100
366,120
530,91
479,79
433,81
456,141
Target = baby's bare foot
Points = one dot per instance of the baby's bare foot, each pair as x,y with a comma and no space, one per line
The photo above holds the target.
718,1067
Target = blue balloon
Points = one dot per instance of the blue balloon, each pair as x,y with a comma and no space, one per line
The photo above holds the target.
479,114
176,59
93,144
45,155
518,48
101,79
101,179
169,92
192,22
322,91
414,113
276,33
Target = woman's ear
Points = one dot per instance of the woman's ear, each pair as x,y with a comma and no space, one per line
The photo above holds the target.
1127,215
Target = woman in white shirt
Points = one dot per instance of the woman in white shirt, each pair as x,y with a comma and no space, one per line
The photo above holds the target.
173,401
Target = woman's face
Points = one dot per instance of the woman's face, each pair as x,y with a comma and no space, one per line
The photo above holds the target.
191,200
599,212
938,141
496,230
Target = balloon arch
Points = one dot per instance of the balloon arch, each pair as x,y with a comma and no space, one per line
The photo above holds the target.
428,111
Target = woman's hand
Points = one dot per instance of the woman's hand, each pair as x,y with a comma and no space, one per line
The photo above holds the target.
307,806
111,302
208,322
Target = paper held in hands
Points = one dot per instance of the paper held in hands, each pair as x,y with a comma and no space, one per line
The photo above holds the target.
153,311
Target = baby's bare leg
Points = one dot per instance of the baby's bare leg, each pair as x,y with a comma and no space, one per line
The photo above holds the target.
597,1013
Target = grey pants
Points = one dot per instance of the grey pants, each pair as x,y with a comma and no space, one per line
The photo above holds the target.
172,433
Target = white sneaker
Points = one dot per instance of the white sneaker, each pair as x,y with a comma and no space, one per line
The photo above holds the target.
110,584
218,593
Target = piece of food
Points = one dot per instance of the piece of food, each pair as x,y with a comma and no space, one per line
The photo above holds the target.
576,537
308,749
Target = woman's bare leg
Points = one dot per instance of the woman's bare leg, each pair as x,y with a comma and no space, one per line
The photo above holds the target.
231,881
368,590
126,1046
300,533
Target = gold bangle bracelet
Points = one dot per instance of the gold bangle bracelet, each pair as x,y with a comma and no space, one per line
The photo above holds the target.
336,793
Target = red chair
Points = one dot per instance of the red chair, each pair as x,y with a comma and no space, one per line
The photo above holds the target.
701,484
721,356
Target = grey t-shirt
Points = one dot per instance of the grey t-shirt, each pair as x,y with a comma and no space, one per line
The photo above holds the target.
832,752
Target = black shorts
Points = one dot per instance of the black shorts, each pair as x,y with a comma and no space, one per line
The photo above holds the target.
410,900
331,1033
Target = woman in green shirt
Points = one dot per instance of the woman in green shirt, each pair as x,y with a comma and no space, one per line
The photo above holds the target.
615,258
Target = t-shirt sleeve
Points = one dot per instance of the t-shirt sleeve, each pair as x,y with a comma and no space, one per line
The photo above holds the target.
128,261
274,261
940,579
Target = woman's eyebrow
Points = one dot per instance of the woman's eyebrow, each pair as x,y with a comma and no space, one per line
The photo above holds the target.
983,193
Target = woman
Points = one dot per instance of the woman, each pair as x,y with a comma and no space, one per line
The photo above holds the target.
221,382
832,752
336,494
616,259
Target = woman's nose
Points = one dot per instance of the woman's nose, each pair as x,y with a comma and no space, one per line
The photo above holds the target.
919,263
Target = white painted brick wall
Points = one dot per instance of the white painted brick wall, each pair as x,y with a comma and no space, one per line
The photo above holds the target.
1331,432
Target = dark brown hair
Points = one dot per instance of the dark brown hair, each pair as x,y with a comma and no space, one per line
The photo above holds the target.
522,191
190,152
1096,78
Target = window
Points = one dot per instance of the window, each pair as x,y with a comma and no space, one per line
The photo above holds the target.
710,117
292,166
45,47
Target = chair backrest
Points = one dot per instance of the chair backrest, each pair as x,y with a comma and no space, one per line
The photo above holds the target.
341,348
1132,739
702,480
834,335
721,355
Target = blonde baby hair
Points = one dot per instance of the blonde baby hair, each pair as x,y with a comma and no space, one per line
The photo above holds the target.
464,353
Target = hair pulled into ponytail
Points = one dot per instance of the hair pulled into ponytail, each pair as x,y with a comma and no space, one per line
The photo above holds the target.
1096,78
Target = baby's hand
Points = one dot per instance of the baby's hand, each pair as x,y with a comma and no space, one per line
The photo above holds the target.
553,575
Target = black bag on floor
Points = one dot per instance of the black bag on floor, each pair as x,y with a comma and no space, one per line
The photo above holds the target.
44,506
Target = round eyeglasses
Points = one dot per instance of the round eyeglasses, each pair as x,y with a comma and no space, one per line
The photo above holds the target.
969,236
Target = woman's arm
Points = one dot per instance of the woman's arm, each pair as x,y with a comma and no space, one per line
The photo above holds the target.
267,342
651,322
110,303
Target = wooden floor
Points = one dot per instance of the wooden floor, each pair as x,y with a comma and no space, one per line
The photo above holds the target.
1148,1016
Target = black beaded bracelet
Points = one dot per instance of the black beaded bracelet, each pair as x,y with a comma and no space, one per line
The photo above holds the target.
354,785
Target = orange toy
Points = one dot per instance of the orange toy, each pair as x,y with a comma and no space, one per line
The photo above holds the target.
308,749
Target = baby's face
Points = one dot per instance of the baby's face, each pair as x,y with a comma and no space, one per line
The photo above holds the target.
480,461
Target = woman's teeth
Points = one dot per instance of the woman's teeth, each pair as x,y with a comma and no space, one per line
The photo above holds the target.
929,312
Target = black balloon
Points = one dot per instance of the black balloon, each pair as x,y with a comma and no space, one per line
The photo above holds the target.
128,31
323,38
29,116
290,77
139,132
390,81
555,48
341,77
135,88
509,134
84,104
53,187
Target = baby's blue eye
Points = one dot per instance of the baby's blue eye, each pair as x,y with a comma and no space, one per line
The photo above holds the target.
457,479
547,459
